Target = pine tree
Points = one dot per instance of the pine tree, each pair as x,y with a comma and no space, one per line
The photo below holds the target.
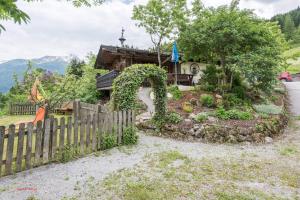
289,27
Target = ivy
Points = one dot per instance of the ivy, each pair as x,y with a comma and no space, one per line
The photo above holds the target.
126,85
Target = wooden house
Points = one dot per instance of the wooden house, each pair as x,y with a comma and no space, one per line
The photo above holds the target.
116,59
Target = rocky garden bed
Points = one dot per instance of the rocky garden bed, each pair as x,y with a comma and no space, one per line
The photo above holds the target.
210,117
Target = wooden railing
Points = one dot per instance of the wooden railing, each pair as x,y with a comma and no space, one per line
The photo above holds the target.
105,81
35,145
22,109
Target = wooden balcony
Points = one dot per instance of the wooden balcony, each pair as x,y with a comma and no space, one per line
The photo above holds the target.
105,82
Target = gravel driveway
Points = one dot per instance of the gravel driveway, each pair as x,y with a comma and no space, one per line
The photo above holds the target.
294,93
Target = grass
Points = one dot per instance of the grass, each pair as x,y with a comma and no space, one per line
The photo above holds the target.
172,175
288,151
293,59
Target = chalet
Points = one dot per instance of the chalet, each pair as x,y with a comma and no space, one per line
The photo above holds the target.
116,59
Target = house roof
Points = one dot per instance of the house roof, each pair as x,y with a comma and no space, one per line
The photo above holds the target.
107,54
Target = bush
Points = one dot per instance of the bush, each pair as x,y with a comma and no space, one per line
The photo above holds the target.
268,109
239,91
108,141
201,117
221,113
130,136
174,118
187,107
68,153
231,100
176,93
207,100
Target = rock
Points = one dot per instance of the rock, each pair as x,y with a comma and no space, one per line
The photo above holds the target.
187,120
192,116
169,95
194,101
268,140
218,96
212,119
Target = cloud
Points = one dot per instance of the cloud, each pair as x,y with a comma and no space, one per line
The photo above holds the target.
58,28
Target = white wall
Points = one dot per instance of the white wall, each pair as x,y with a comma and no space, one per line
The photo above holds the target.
186,69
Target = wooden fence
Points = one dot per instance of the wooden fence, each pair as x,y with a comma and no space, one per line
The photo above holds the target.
22,109
32,146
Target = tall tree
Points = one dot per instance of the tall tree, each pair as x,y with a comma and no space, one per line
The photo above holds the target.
238,41
161,19
289,27
10,11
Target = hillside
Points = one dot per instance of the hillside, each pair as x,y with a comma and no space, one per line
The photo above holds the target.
293,59
18,66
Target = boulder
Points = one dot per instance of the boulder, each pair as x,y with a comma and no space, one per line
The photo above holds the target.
268,140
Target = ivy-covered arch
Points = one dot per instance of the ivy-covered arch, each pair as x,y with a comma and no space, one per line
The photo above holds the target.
126,85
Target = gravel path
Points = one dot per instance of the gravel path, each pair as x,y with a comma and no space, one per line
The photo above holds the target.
294,92
56,181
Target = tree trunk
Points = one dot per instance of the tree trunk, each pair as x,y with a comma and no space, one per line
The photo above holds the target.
158,55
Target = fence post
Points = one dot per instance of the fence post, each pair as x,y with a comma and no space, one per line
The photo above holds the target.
2,132
76,109
10,149
29,145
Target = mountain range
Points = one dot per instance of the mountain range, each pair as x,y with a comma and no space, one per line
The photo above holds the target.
18,66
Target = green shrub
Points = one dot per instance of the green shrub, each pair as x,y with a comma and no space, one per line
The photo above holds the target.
221,113
239,91
187,107
201,117
207,100
109,141
279,90
176,93
268,109
68,153
208,88
173,118
130,135
231,100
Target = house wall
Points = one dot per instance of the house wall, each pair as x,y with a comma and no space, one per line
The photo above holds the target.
186,69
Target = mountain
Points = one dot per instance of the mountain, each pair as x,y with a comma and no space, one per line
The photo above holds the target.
18,66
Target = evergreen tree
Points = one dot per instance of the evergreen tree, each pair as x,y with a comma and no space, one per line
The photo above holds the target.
289,27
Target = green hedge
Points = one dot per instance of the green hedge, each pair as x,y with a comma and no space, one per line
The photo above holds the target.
126,85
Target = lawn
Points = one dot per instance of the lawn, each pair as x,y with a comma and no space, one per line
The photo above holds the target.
293,59
6,120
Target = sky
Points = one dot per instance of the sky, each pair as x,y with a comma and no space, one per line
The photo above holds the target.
59,29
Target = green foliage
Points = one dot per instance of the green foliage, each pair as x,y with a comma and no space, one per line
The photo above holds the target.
173,118
268,109
176,93
187,107
108,141
237,43
239,91
207,100
127,83
160,18
69,152
130,135
76,67
223,114
231,100
201,117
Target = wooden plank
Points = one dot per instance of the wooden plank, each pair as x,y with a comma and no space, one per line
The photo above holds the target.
88,131
133,117
94,132
62,134
29,145
82,133
129,121
76,123
46,141
100,130
10,149
20,147
54,137
2,132
120,121
115,124
124,120
38,143
69,130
